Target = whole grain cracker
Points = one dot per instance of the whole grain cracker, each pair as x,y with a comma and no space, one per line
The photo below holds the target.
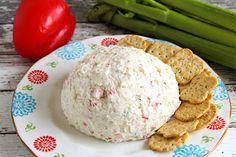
189,112
175,128
161,144
199,88
162,50
209,98
207,118
181,87
149,44
185,65
134,41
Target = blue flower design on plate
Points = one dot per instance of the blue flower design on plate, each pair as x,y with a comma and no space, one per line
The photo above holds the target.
152,39
23,104
190,151
220,92
71,51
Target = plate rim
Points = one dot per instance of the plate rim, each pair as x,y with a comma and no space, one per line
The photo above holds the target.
32,152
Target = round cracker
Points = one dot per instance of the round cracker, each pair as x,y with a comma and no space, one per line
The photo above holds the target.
189,112
199,88
134,41
175,128
161,144
207,118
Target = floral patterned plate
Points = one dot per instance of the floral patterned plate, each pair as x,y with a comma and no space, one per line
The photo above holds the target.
42,127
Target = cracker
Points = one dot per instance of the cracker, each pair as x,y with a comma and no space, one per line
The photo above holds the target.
160,144
181,87
185,65
175,128
209,98
162,50
207,118
122,42
189,112
199,88
134,41
149,44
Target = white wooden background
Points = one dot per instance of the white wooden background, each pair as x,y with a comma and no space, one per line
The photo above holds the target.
13,67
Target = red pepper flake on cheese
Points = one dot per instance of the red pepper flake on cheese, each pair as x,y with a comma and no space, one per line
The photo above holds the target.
94,56
155,105
110,92
144,116
85,124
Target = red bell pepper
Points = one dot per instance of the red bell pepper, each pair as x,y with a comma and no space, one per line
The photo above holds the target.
41,26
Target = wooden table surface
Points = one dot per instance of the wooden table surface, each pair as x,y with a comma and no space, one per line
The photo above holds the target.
13,68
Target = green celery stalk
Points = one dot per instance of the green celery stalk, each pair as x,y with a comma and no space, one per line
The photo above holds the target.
209,12
97,11
153,3
215,52
172,18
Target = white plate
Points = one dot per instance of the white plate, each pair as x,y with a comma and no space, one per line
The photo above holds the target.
41,125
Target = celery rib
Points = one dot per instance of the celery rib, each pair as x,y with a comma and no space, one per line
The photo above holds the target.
179,21
206,11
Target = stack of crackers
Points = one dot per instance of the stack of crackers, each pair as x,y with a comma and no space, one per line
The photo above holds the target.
195,87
